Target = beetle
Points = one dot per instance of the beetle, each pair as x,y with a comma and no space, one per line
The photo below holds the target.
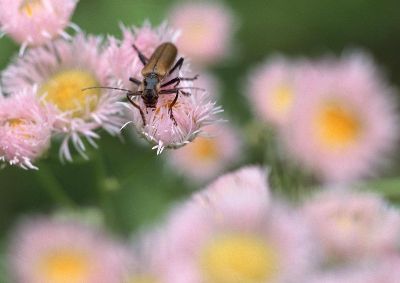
159,66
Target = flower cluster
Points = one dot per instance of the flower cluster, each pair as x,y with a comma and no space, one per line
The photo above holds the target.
234,230
320,113
36,22
60,70
320,127
79,81
49,250
194,108
25,129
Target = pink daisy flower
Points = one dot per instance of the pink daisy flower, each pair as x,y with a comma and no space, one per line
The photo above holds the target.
387,271
45,250
35,22
191,112
248,183
353,226
207,156
272,89
251,178
61,70
206,30
345,124
25,129
223,236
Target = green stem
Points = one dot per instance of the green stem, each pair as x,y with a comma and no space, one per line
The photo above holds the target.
102,190
53,188
271,159
286,177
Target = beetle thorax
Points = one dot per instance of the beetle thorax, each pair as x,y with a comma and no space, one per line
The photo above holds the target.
151,84
151,81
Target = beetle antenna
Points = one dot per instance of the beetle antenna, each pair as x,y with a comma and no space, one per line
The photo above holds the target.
106,87
191,87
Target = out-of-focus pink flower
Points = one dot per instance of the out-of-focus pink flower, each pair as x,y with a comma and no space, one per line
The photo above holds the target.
208,81
150,254
248,184
191,112
344,125
272,89
61,70
345,275
222,236
25,129
353,226
206,30
207,156
387,271
35,22
45,250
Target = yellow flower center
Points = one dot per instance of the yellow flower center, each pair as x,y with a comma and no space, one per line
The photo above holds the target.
64,90
143,278
282,100
15,123
30,7
239,259
196,33
18,125
204,149
349,221
65,267
337,126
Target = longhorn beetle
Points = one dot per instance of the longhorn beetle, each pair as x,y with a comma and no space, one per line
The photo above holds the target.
159,66
155,70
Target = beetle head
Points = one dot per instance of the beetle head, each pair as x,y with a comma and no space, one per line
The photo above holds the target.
150,98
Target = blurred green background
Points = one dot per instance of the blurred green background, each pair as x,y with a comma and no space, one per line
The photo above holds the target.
127,179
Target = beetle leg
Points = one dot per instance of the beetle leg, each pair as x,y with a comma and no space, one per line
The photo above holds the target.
177,81
142,57
174,90
135,81
167,91
171,114
129,96
185,93
178,65
170,91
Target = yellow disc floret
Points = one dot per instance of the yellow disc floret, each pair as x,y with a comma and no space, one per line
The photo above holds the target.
282,100
143,278
196,33
239,258
18,125
65,91
204,149
15,123
337,126
30,7
348,222
64,266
